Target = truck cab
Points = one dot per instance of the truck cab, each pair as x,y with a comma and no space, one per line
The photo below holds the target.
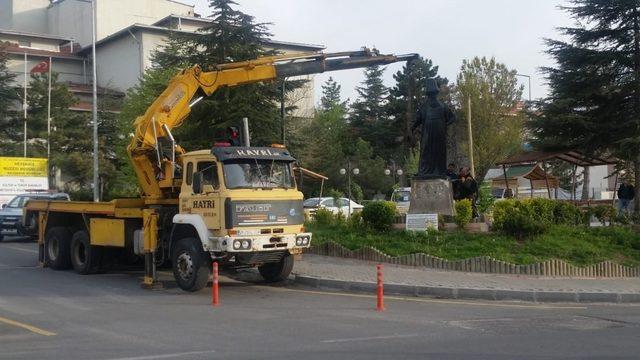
245,208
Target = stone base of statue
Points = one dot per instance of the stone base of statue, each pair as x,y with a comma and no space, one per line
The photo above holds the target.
431,196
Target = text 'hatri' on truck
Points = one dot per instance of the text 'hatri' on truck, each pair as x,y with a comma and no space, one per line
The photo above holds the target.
235,205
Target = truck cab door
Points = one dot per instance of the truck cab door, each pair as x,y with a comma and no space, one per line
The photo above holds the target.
206,202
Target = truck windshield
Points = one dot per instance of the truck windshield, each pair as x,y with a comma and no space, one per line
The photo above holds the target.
254,173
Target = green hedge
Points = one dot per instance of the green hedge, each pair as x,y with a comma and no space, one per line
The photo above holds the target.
522,218
379,215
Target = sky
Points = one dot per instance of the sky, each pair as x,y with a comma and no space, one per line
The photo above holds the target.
445,31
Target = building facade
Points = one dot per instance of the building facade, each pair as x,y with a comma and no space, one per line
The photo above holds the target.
128,33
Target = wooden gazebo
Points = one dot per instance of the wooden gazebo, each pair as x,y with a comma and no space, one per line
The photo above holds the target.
540,159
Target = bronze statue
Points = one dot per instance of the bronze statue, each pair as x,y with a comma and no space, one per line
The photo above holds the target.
434,118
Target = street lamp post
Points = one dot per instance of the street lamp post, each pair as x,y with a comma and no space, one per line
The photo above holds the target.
529,79
348,172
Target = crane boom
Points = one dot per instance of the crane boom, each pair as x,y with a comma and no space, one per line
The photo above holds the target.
155,171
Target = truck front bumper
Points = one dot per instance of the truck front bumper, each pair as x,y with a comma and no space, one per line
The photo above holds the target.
257,243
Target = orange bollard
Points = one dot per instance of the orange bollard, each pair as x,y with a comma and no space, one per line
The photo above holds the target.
214,287
380,304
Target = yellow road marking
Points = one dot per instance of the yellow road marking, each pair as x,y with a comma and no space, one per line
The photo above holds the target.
437,301
33,329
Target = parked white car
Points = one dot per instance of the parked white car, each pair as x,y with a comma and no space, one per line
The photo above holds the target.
336,206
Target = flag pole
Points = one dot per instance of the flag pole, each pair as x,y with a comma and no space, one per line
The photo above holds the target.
96,185
24,104
49,114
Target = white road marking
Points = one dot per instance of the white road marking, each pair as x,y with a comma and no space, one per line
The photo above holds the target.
166,356
396,336
20,249
434,301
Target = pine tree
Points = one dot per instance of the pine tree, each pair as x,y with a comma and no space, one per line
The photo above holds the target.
331,96
408,94
369,119
10,123
594,102
231,36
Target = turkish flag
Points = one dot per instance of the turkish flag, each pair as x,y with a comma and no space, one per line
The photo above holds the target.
42,67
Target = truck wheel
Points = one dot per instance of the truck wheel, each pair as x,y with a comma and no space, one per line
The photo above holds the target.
190,265
277,272
85,258
57,243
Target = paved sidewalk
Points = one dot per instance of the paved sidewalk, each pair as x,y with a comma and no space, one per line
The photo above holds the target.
348,274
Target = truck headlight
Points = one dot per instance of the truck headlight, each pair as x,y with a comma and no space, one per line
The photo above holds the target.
298,241
246,244
237,244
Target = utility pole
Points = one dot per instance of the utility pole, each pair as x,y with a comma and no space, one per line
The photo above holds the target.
49,114
282,112
473,167
96,186
24,103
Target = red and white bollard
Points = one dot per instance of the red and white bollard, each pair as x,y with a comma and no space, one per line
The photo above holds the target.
215,301
380,304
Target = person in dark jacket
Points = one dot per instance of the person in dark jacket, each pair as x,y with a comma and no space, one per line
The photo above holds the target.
468,188
626,193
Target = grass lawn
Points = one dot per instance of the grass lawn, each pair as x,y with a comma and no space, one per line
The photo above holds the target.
576,245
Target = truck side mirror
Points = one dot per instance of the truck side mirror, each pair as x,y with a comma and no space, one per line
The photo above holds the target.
197,182
4,206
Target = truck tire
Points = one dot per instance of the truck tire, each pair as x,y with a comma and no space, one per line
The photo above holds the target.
85,258
277,272
57,247
190,265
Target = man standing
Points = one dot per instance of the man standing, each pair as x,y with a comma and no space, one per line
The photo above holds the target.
468,188
626,193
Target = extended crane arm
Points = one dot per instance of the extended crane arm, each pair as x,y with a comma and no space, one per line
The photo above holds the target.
169,110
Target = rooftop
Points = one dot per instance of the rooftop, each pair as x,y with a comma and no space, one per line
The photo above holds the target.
36,35
161,29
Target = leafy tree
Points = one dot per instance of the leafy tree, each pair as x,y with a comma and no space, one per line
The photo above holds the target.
331,96
408,94
10,128
594,102
231,36
369,119
496,123
71,136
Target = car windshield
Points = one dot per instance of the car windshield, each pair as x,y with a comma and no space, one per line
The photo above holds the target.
17,202
313,202
401,196
254,173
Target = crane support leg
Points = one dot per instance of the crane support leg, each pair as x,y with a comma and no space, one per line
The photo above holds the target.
150,233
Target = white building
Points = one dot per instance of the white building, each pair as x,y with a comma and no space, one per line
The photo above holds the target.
128,32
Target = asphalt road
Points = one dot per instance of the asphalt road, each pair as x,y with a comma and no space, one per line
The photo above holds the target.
46,314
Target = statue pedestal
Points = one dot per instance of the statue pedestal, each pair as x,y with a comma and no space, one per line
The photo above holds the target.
431,196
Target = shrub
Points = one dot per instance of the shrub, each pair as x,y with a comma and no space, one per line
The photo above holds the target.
355,220
464,213
485,198
521,225
500,211
379,215
566,213
540,209
604,213
323,217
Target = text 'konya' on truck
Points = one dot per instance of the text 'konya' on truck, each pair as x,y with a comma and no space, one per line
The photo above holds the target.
238,206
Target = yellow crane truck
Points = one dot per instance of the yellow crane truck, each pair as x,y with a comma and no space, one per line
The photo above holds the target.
236,205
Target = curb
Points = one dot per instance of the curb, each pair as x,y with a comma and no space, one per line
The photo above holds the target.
470,293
